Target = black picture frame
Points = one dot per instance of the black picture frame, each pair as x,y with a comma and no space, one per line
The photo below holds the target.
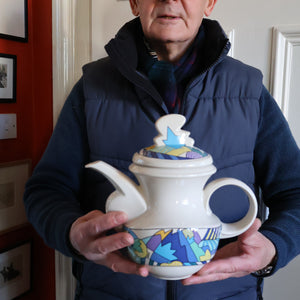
8,78
13,177
10,29
16,270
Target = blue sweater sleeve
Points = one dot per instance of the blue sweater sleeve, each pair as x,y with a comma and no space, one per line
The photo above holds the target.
277,167
52,193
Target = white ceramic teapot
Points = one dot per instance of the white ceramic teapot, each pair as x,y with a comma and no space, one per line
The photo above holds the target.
169,216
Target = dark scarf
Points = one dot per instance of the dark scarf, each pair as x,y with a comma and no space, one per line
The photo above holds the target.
171,79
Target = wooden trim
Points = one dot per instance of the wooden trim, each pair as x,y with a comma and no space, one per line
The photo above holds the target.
71,49
285,39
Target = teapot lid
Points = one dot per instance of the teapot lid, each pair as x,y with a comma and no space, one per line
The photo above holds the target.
172,142
173,150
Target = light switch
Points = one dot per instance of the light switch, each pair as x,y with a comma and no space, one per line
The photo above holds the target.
8,126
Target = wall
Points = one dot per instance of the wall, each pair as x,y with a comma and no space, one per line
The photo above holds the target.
34,126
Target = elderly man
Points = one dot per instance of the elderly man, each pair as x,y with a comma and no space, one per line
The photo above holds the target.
167,60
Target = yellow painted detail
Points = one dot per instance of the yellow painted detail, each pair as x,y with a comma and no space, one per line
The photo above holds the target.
179,151
172,264
144,250
206,257
162,233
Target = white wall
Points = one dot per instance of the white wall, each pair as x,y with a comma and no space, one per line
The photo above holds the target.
253,22
107,18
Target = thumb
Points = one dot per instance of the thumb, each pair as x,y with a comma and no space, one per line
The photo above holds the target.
252,229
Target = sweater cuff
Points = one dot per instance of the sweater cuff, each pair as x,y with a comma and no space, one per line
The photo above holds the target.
71,250
64,245
280,246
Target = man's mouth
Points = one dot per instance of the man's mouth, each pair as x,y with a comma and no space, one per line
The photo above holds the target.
168,17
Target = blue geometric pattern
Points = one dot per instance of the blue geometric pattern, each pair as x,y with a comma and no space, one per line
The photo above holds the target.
173,148
175,247
175,153
173,139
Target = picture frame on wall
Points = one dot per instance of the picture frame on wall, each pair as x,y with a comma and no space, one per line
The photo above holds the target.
15,271
14,20
8,81
13,177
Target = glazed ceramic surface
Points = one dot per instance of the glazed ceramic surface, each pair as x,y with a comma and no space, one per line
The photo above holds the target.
175,232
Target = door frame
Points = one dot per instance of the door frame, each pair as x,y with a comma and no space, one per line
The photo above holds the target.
71,48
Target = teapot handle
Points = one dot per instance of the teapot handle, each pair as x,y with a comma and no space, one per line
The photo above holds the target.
235,228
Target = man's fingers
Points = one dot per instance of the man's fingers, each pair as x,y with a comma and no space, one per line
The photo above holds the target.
197,279
103,222
230,265
91,226
249,253
111,243
253,229
87,235
118,263
220,270
96,222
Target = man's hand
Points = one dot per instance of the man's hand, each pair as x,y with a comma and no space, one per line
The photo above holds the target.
251,252
87,236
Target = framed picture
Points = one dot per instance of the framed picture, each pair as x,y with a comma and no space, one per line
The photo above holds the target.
15,271
14,20
13,177
8,74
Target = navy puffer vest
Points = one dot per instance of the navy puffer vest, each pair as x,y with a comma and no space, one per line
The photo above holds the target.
221,106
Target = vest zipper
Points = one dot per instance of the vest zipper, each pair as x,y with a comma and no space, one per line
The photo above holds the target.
204,71
171,290
218,58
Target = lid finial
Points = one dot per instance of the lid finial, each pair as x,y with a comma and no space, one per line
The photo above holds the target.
170,132
172,142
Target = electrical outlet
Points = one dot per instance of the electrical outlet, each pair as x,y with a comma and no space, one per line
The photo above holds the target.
8,126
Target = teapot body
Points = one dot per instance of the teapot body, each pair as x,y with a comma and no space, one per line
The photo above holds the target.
176,235
174,197
175,232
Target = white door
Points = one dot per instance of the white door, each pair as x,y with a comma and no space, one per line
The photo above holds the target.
264,34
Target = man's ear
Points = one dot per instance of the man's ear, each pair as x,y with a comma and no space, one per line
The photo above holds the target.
210,6
134,7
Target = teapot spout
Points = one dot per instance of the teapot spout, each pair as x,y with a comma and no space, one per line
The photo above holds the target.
126,197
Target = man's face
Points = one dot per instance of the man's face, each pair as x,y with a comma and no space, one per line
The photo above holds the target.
168,21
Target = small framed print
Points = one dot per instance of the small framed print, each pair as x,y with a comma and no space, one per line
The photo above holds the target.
14,20
8,74
13,176
15,271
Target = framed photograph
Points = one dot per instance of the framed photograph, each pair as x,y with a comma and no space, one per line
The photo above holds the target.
13,177
14,20
8,74
15,271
